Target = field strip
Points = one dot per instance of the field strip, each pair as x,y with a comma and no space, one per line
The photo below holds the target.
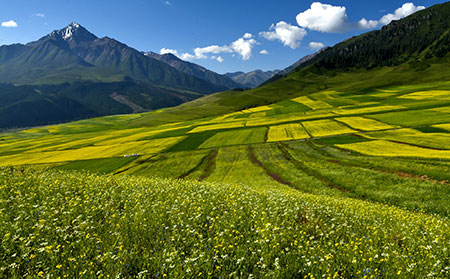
327,127
220,126
208,160
365,124
394,149
367,110
257,109
424,95
311,103
237,137
443,126
284,149
413,137
286,132
90,152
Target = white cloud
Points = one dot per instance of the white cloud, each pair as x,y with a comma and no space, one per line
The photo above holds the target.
187,56
168,3
367,24
168,50
316,45
218,58
333,19
243,47
200,52
324,18
265,52
289,35
40,15
10,23
404,11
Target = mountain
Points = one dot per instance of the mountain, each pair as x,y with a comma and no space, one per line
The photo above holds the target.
294,66
251,79
194,70
74,51
71,74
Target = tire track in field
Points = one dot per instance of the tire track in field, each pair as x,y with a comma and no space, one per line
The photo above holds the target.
348,163
284,149
273,175
205,160
210,160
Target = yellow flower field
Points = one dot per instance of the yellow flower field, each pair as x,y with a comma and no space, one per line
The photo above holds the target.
286,132
310,103
443,126
258,109
219,126
424,95
286,118
367,110
415,137
364,124
392,149
442,109
323,128
90,152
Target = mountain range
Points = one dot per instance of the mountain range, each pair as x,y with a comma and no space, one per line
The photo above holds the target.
195,70
251,79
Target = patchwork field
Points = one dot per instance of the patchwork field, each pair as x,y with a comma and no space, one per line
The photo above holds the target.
329,185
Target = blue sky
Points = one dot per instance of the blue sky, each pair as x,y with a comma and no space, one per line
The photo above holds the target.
224,36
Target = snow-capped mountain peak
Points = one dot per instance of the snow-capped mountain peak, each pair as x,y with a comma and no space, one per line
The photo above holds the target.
74,32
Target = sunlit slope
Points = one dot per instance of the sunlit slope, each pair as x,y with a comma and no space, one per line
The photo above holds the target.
385,145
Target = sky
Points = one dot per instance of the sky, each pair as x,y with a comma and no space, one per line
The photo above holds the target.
224,36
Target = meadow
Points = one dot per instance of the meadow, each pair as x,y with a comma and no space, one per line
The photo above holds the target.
336,184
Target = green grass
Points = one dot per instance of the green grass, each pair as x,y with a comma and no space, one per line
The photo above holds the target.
102,166
236,137
412,118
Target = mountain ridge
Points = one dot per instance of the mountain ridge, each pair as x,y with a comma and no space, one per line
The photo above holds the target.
194,70
252,79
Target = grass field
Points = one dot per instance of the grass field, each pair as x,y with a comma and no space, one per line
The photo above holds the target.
335,184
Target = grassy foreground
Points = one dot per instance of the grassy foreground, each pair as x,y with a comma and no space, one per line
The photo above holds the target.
80,225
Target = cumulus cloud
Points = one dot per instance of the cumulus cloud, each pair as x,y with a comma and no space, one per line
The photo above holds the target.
40,15
200,52
265,52
243,46
324,18
218,58
183,56
404,11
168,50
288,34
367,24
10,23
316,45
187,56
333,19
